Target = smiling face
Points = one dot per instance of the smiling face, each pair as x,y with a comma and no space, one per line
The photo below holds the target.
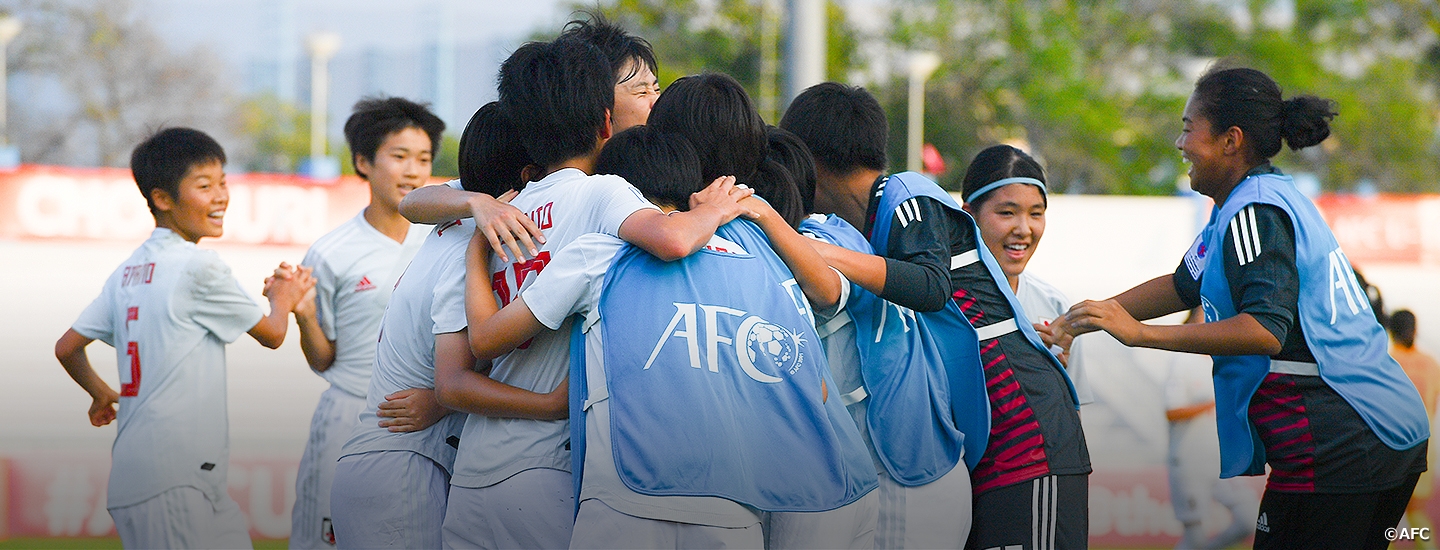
198,209
1011,220
1211,156
634,97
402,164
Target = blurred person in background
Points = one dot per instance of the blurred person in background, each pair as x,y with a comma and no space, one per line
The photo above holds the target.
1424,371
1193,460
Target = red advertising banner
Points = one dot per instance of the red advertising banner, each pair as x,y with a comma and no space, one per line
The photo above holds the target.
1402,229
104,204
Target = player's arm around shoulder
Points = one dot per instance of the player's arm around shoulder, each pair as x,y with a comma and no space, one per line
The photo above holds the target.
503,224
459,387
822,285
680,234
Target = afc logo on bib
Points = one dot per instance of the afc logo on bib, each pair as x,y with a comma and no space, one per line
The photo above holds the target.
755,342
1344,286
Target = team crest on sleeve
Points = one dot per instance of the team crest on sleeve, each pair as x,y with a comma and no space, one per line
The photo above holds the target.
1195,257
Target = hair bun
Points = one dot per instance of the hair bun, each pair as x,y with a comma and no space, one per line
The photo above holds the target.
1307,120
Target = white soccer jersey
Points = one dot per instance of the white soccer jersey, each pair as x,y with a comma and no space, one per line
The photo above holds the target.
1044,303
571,287
168,311
565,205
429,299
355,270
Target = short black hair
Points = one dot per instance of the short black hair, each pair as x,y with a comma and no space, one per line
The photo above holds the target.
774,183
490,161
374,118
1402,327
996,163
557,95
1250,100
662,165
844,127
163,159
618,46
713,111
787,149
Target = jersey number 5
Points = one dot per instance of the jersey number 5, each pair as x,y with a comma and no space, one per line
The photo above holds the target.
130,385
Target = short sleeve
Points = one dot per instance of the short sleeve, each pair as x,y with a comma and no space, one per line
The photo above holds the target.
455,184
822,315
218,302
614,200
572,282
1187,286
1260,265
325,285
97,322
447,305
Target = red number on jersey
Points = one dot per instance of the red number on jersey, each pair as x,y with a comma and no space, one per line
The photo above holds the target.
522,271
501,284
132,387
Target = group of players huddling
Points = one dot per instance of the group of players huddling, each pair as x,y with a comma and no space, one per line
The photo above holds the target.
646,320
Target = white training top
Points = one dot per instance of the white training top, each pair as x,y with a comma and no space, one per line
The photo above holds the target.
355,271
565,205
572,286
429,299
1044,303
168,311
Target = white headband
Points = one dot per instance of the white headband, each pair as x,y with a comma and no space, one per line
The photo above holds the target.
1001,183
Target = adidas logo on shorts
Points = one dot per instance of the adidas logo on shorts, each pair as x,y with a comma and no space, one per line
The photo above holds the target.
1262,524
364,284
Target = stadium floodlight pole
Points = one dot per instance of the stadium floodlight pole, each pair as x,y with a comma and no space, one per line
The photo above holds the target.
322,46
921,65
806,56
9,27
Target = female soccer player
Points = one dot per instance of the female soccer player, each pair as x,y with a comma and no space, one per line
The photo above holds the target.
1302,378
1004,190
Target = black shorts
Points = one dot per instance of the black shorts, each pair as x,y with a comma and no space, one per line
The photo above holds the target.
1348,521
1049,513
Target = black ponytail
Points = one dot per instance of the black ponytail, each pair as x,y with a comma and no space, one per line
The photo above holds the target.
1307,121
1250,100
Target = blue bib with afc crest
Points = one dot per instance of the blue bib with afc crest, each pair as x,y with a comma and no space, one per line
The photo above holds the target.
718,384
903,369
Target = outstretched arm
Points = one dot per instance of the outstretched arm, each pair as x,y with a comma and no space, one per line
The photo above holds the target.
820,284
680,234
1154,298
70,350
1238,335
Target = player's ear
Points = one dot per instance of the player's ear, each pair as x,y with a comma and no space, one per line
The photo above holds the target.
362,166
1234,140
607,130
968,209
162,200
